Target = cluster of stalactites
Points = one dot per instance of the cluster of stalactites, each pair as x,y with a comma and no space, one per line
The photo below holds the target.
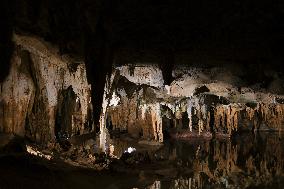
269,114
132,112
201,111
226,117
192,107
155,111
229,116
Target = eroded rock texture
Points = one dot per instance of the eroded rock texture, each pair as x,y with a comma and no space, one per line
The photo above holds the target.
198,103
44,89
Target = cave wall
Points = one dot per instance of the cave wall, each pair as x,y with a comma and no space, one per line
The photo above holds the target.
247,32
31,92
199,102
94,30
16,92
212,100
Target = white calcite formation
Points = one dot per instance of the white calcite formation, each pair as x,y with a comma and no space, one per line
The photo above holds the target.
200,103
141,74
108,100
32,97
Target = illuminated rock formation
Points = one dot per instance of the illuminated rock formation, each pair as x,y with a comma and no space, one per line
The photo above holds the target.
33,101
199,103
47,95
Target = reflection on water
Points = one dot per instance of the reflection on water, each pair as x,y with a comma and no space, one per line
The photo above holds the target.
245,161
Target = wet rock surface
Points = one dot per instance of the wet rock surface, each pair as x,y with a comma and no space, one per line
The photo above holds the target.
31,95
46,97
198,102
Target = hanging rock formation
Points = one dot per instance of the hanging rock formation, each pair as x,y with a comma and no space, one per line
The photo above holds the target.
46,95
44,89
198,103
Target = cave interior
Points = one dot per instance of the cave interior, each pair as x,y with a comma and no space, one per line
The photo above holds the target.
127,86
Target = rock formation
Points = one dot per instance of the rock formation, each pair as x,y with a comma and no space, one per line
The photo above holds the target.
198,103
45,94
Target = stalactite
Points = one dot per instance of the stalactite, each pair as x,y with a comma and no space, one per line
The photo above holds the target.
105,104
236,120
157,122
219,116
250,112
200,126
143,109
103,129
226,117
189,113
208,121
139,111
228,122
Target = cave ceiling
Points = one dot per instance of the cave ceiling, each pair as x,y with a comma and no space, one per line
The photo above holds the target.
204,26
